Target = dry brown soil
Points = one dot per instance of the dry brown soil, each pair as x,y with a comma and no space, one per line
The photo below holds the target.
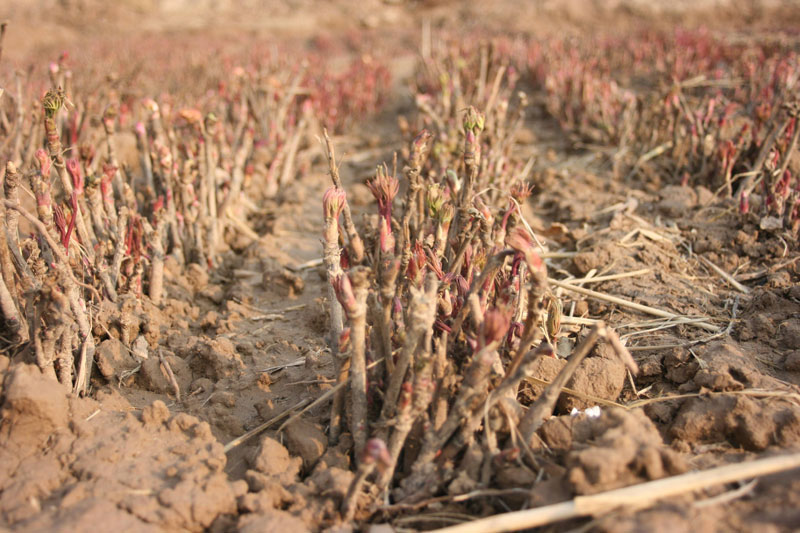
247,341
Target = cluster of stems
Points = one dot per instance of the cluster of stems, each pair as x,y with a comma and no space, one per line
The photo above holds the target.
686,107
438,303
104,215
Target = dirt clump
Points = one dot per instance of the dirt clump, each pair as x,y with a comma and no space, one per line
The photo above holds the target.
216,358
617,449
602,376
679,366
546,369
160,471
770,317
587,260
271,520
114,360
792,361
676,200
155,377
272,459
307,440
666,518
742,421
35,406
331,482
283,283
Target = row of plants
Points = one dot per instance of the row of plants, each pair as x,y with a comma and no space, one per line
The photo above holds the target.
684,107
105,176
681,106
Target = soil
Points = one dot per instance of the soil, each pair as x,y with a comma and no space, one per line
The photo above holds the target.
247,341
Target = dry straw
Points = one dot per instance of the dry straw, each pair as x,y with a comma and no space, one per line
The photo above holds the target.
629,498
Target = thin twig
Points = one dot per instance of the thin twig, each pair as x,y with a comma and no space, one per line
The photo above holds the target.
724,275
272,369
483,493
632,305
609,277
170,374
726,497
255,431
333,390
756,393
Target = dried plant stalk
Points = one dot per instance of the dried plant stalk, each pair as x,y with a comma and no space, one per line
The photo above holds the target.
154,238
356,244
12,316
358,360
420,318
634,497
333,203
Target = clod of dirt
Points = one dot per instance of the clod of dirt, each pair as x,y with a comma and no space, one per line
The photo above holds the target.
617,449
545,368
114,360
257,502
181,343
215,293
586,261
666,518
550,491
154,376
224,398
676,200
197,275
87,515
161,473
581,308
267,492
704,195
651,366
513,475
155,414
556,433
680,366
210,320
662,412
331,482
272,520
751,424
766,318
216,359
273,459
334,457
792,362
789,332
283,282
305,439
602,377
270,494
35,406
726,368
